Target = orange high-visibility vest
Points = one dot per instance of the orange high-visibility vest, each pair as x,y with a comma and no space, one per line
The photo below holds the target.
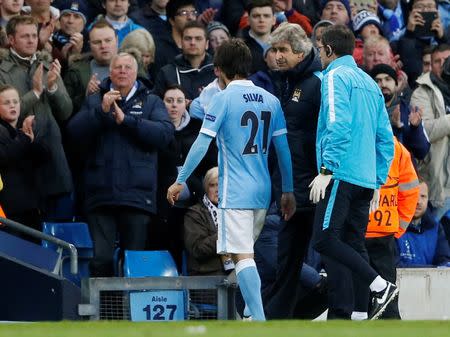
398,197
2,214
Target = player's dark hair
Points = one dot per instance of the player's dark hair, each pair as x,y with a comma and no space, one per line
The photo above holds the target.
233,58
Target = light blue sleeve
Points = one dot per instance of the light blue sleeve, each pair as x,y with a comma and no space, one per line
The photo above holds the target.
196,110
284,162
338,121
194,157
384,144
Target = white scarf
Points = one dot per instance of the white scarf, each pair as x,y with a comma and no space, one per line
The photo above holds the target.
211,208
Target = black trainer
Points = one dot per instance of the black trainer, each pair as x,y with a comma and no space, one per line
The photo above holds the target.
381,299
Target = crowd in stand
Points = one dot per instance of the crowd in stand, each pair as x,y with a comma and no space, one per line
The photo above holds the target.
101,101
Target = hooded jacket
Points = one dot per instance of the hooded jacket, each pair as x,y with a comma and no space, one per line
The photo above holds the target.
180,71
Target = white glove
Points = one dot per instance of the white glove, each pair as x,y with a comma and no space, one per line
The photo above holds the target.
374,203
318,187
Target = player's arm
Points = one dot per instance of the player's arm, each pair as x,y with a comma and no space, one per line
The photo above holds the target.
288,204
194,157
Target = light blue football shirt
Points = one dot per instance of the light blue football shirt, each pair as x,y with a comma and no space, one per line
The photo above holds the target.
244,118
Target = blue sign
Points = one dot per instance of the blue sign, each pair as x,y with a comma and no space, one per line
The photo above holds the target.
162,305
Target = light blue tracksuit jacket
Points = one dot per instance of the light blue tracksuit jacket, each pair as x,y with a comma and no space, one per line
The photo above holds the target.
354,135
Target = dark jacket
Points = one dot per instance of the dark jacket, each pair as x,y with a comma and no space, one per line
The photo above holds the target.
263,79
174,155
257,51
19,157
412,137
299,93
121,163
150,20
180,71
49,109
165,51
200,237
424,244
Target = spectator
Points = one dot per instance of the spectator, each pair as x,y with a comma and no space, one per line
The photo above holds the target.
297,83
235,17
342,190
152,16
116,15
264,78
47,18
87,71
119,129
141,40
398,200
193,68
336,11
426,60
417,37
8,9
261,19
377,50
168,46
68,40
406,122
318,29
200,232
43,95
393,14
20,155
424,244
217,33
433,97
365,25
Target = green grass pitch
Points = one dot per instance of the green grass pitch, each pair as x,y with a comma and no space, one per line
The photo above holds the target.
230,329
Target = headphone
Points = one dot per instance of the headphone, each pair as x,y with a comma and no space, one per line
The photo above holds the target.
328,51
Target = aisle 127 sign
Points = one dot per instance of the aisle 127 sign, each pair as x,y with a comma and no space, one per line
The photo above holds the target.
164,305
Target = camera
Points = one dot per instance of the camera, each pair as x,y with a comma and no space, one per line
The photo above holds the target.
60,39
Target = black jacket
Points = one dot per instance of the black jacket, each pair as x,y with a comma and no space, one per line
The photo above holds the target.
180,71
174,155
19,158
257,51
299,93
120,166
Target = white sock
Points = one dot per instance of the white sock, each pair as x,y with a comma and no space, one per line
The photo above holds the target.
378,284
359,316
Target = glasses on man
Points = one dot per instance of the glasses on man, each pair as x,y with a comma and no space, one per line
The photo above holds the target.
186,12
425,7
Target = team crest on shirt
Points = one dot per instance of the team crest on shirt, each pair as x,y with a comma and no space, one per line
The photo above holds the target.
136,109
296,95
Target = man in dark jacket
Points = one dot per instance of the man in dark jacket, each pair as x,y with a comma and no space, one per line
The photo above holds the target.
120,130
168,43
424,244
406,122
298,87
193,69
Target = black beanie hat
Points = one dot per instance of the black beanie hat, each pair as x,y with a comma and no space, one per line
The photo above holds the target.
384,69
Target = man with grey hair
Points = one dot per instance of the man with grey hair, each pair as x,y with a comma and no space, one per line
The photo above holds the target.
297,84
119,131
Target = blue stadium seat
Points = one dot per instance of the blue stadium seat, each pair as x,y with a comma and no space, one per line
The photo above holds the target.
76,233
148,263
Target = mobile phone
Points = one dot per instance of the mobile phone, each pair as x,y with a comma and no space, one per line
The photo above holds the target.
425,30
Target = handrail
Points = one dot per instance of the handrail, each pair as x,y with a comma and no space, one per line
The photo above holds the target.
37,234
